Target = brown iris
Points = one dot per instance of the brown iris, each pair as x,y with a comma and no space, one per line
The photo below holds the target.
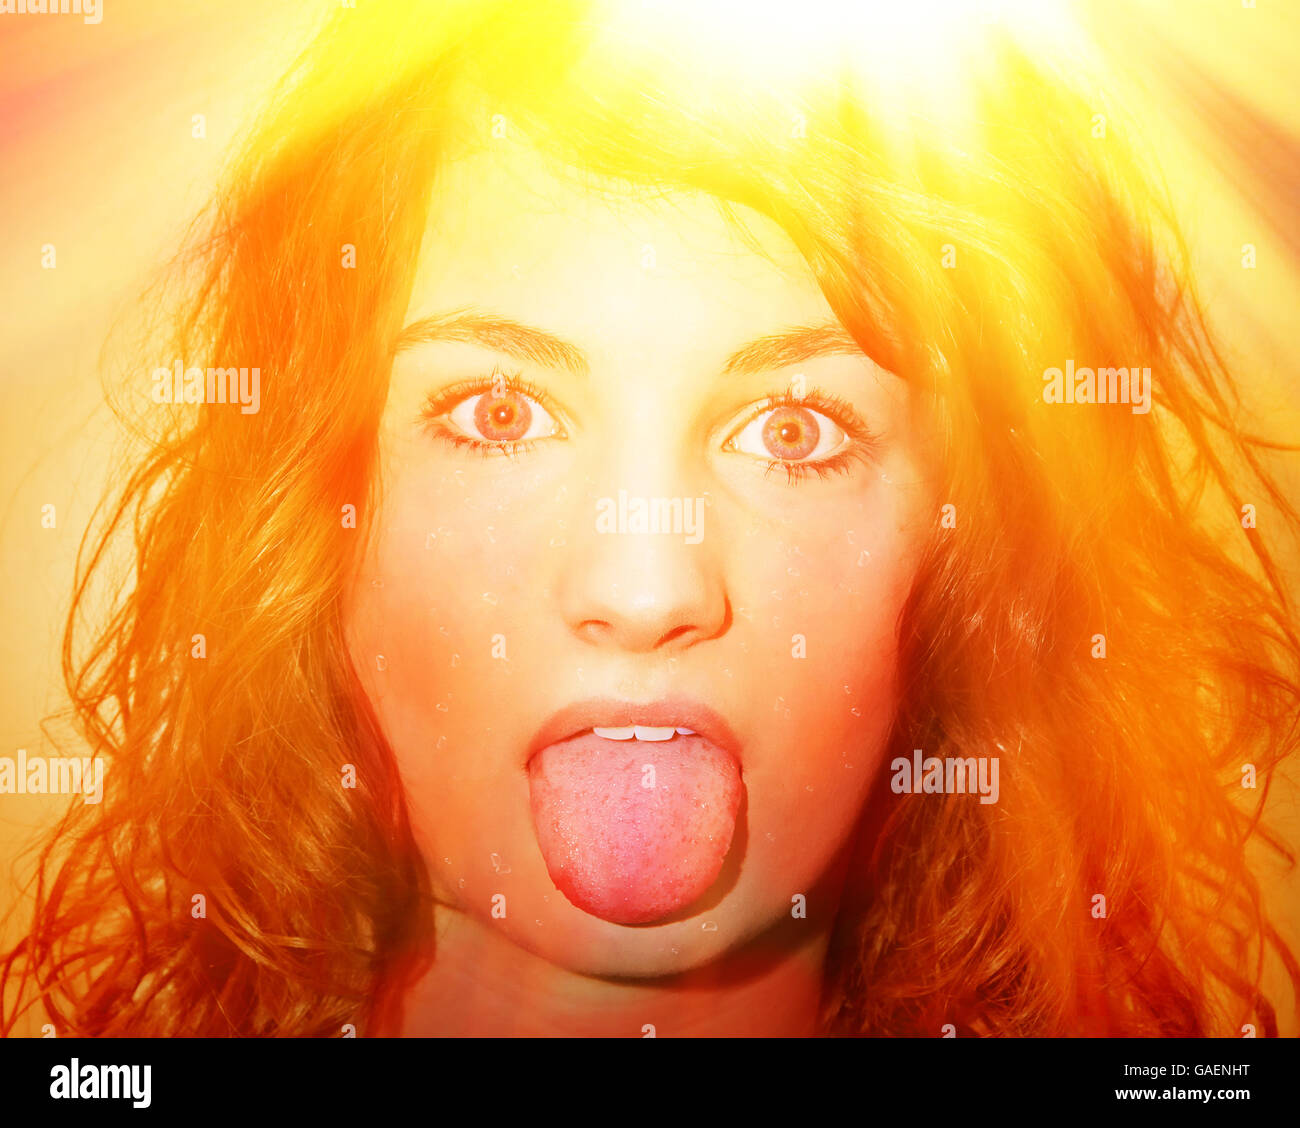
791,433
504,418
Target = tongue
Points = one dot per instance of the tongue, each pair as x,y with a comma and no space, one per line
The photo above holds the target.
633,830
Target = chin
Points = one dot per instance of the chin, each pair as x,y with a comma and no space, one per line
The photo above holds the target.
604,950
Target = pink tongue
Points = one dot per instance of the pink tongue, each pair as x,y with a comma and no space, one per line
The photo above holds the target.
633,830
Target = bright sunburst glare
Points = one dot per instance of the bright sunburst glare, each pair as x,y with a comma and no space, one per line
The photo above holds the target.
894,42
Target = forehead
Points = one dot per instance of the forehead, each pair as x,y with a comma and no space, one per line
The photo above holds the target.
621,268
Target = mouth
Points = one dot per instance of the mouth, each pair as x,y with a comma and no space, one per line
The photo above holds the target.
634,806
650,723
648,733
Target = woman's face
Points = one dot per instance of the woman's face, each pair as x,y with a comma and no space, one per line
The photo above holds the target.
633,475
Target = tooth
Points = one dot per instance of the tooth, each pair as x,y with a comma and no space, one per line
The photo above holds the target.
648,732
616,733
686,732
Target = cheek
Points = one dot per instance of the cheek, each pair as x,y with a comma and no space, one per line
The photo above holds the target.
445,629
820,603
444,587
820,623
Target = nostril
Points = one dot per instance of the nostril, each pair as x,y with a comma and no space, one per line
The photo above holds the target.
675,634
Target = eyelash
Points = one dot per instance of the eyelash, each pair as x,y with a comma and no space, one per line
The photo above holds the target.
862,447
437,404
863,441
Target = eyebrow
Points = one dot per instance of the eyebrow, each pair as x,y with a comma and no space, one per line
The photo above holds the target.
499,333
793,346
525,342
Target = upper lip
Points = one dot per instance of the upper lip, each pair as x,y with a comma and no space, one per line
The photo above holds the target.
678,712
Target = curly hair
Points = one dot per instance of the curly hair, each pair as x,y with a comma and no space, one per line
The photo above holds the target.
1093,609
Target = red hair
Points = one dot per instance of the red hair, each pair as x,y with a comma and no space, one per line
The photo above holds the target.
1122,774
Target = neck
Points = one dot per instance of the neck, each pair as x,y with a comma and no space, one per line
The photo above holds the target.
482,984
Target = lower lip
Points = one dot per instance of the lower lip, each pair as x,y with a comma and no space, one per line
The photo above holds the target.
634,831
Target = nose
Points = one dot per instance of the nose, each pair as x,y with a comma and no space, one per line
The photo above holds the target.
643,591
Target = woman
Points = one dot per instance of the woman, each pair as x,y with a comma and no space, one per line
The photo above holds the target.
665,584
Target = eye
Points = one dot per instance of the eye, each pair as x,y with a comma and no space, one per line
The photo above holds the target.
790,432
503,413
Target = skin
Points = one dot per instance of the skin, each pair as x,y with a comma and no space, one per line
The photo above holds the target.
472,553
